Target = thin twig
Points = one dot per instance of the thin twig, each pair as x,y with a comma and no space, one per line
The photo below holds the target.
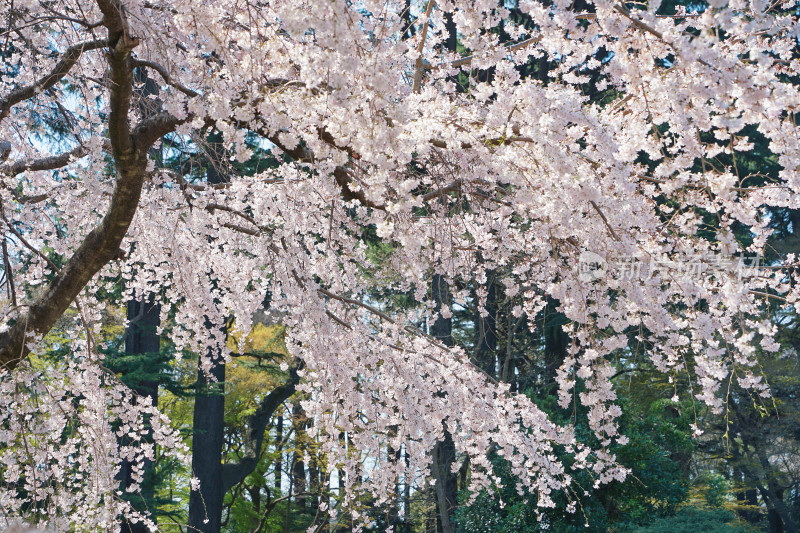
9,275
418,69
605,220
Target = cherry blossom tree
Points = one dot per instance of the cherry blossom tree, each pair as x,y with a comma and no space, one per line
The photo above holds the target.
508,175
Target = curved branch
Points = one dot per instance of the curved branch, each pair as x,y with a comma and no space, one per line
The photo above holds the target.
64,65
45,163
166,76
101,245
234,473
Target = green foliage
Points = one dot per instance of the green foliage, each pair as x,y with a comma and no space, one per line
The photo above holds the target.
715,489
692,520
660,444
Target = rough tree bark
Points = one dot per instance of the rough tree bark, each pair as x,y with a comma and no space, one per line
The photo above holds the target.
129,151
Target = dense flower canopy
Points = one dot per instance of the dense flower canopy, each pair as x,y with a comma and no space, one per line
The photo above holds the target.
377,136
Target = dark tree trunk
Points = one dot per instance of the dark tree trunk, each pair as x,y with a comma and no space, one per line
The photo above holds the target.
556,343
393,511
444,452
431,521
442,328
452,37
406,499
746,496
205,504
141,339
279,453
444,455
298,466
778,515
778,511
774,521
760,474
486,328
314,483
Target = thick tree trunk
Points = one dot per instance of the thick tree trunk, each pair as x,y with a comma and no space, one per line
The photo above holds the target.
129,150
761,475
778,511
779,515
774,522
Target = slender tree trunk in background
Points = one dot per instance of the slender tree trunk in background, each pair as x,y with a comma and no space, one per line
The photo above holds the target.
442,328
746,496
406,498
314,483
751,498
279,453
486,328
507,366
341,524
393,511
556,344
298,466
205,505
141,338
463,474
452,37
444,453
289,501
408,27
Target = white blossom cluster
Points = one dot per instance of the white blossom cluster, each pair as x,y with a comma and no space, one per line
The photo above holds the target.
60,451
388,142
